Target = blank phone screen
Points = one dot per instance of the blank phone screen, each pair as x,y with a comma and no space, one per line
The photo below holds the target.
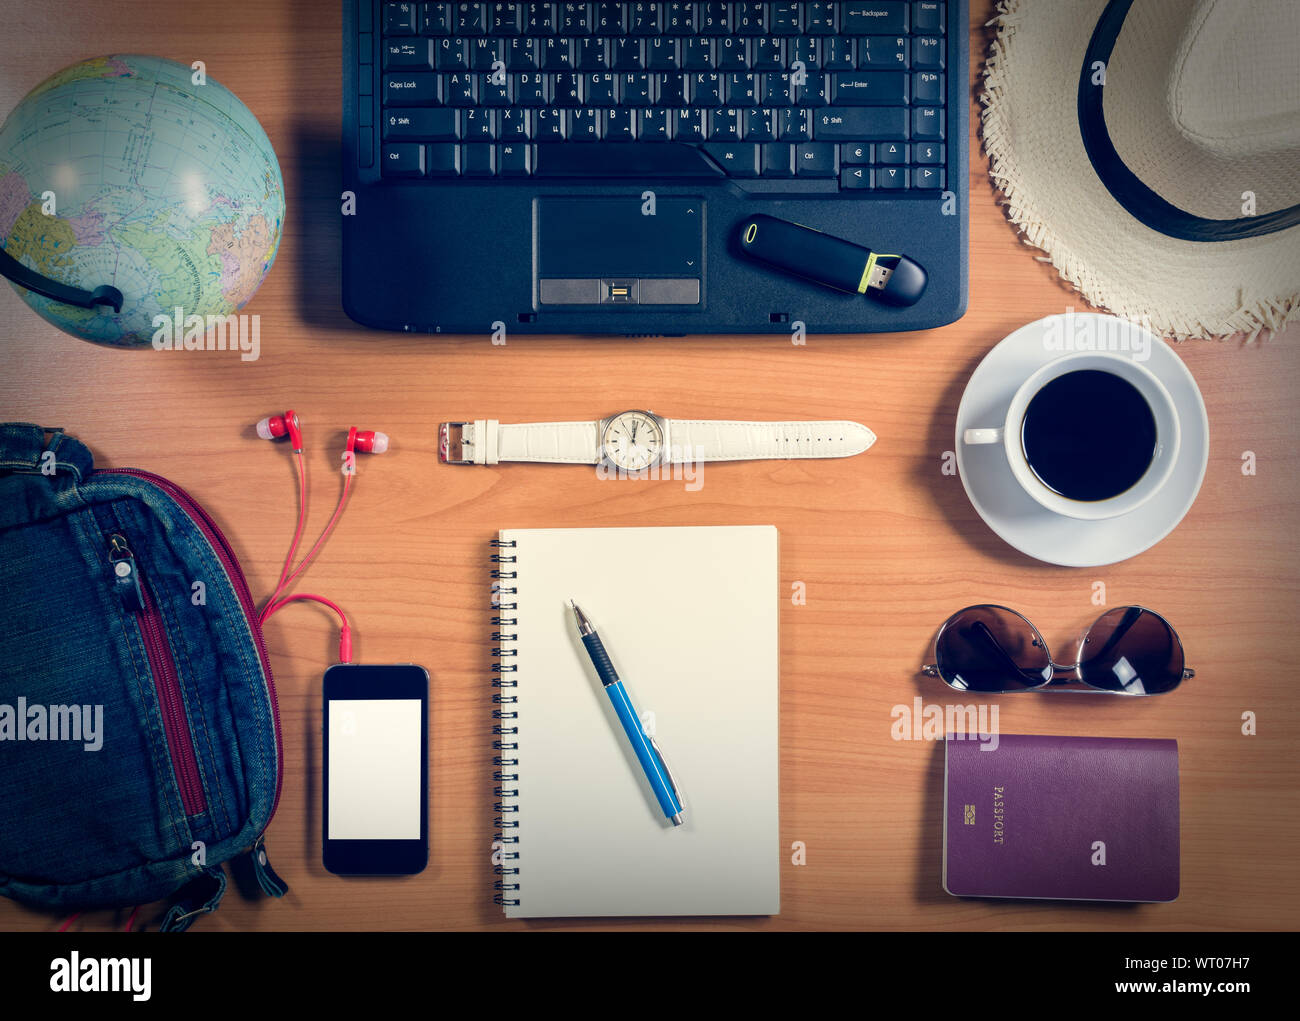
374,769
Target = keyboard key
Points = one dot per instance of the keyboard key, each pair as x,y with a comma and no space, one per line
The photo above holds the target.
459,89
927,123
928,152
643,19
404,160
522,55
548,125
767,54
892,178
442,161
484,54
671,89
869,88
891,153
794,125
882,53
697,54
408,55
855,178
743,89
626,55
927,88
711,19
927,16
738,160
885,18
514,125
862,122
662,55
785,19
469,19
725,124
855,153
819,18
581,125
538,18
760,125
412,90
435,19
679,19
927,177
575,19
530,89
505,18
399,19
618,125
731,54
567,89
637,89
747,18
478,161
588,55
653,125
777,160
601,89
620,160
837,53
927,53
428,125
478,125
450,55
815,160
705,90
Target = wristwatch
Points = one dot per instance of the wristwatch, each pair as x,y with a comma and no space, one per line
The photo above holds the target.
638,440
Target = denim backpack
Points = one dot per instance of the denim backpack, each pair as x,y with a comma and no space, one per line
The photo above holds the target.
139,730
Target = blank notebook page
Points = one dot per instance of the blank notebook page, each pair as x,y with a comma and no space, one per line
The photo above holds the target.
689,619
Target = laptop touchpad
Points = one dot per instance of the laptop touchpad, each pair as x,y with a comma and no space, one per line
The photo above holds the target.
630,252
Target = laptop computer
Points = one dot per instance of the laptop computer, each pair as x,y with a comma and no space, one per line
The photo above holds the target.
542,168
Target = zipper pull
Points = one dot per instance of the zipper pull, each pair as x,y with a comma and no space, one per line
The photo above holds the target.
126,576
267,879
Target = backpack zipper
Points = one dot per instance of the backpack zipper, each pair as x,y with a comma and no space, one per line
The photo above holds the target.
166,679
226,556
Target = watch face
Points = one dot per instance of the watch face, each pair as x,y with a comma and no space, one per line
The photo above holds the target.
633,441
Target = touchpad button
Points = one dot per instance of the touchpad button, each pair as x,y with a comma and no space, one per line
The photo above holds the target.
625,252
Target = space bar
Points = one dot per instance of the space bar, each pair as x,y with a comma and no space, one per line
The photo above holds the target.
620,159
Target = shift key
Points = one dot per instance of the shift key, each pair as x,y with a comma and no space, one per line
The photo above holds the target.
426,125
861,123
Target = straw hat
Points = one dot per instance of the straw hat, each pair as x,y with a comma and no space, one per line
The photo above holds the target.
1152,149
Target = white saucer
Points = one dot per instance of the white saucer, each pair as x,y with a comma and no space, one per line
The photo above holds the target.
1023,522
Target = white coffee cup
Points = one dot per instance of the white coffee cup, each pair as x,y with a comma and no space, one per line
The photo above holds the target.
1118,364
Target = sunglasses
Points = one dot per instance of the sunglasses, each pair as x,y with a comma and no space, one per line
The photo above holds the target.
1129,650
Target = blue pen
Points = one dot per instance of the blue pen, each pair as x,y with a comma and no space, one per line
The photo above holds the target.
651,758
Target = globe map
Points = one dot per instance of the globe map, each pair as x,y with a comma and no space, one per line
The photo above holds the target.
121,170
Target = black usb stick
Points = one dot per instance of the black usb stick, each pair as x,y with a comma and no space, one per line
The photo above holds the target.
831,261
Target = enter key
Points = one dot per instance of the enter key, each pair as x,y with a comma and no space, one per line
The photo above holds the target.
870,88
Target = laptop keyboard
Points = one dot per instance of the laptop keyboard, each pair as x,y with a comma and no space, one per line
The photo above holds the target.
805,92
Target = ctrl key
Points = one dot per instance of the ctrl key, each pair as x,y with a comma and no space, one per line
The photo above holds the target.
404,160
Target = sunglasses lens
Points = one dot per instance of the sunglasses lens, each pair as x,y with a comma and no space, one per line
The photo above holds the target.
1132,650
991,649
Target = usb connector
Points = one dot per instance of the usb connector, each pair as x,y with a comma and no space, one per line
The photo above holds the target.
878,277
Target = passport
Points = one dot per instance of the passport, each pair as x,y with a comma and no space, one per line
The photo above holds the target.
1063,818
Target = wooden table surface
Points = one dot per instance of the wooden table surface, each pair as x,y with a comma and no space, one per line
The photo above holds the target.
886,543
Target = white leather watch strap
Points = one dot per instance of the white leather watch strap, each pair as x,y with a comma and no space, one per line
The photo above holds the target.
490,442
699,440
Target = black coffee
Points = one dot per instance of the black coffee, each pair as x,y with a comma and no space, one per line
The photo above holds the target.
1089,435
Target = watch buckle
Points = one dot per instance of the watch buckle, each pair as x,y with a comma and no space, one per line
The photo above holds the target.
452,442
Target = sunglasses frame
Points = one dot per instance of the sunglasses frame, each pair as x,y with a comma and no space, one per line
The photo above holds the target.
1063,677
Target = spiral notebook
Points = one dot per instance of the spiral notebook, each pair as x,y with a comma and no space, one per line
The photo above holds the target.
689,618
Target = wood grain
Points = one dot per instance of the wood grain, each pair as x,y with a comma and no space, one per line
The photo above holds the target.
886,544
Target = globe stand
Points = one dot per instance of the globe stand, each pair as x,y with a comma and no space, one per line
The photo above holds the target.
33,281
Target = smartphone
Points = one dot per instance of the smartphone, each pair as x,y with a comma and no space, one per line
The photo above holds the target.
376,753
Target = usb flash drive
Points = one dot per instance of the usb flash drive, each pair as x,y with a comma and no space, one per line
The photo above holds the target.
831,261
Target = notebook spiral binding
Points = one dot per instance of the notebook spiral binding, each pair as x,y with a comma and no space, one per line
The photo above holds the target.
505,726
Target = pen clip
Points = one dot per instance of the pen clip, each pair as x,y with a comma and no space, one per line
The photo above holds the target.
663,761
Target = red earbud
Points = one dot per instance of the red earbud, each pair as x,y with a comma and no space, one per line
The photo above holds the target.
367,441
276,426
